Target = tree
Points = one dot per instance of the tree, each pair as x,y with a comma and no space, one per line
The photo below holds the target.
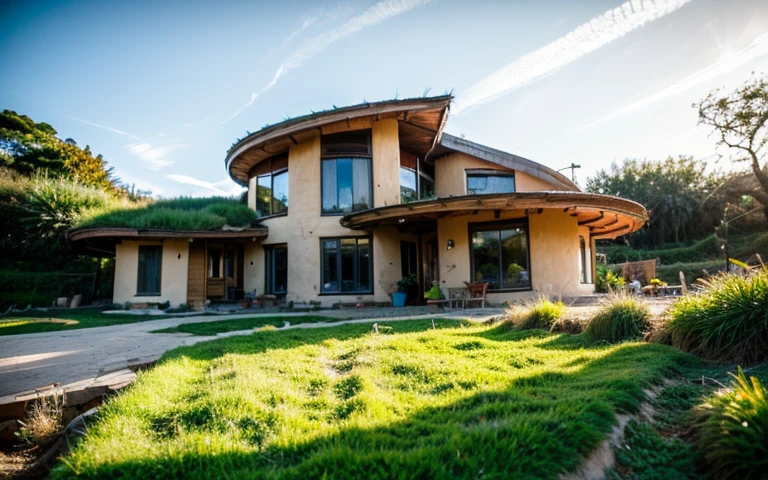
28,147
684,200
739,119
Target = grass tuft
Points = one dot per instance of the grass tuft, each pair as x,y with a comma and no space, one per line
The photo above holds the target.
43,421
540,313
622,317
734,430
726,321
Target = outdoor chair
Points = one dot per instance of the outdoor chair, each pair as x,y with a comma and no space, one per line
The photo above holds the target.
476,293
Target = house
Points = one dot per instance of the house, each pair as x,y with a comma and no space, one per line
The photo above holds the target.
352,199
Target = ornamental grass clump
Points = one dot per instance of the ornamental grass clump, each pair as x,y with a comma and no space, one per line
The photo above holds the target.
727,321
622,317
539,313
733,434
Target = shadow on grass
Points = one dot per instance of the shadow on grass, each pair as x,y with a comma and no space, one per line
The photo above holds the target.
538,426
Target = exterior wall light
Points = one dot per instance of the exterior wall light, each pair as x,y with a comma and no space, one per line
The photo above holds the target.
451,244
179,256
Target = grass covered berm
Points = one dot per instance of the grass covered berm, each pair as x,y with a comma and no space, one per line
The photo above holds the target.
458,401
174,214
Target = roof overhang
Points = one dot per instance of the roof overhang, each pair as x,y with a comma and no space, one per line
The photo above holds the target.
605,216
103,240
421,120
449,144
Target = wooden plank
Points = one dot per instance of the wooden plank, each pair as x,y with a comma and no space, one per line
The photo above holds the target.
196,274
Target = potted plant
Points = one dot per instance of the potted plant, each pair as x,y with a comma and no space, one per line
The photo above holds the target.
404,285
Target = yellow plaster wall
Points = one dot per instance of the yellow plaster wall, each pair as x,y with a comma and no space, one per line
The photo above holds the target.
385,145
173,276
304,226
553,246
450,177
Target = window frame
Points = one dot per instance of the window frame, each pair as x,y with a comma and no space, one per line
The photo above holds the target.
159,272
475,172
338,265
269,262
272,173
498,226
420,174
343,150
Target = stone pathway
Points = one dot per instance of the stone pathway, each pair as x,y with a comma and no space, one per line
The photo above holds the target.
36,360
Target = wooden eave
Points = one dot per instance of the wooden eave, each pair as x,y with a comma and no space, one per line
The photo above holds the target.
605,216
254,233
421,121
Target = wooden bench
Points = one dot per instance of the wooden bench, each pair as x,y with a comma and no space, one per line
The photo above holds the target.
455,296
476,293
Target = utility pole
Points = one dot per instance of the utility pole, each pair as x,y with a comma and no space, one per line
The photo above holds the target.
573,168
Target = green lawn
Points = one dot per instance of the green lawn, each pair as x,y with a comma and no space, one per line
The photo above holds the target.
456,402
61,320
221,326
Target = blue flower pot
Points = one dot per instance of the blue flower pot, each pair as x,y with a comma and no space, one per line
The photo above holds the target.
398,299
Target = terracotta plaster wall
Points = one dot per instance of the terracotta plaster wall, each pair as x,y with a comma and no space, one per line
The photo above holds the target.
553,247
173,276
304,226
450,176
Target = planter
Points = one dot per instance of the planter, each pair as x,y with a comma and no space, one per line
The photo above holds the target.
398,299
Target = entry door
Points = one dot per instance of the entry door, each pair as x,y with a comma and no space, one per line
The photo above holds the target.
431,264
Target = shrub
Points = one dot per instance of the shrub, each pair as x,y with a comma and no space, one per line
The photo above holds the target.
726,321
607,280
622,317
40,289
540,313
567,325
733,436
43,421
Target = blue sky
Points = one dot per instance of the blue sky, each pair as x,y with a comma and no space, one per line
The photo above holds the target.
162,89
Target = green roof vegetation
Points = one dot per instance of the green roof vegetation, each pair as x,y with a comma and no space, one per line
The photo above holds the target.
174,214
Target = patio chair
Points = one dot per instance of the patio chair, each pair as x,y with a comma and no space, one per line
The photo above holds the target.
476,293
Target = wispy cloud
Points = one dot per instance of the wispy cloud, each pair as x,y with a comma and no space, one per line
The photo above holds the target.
729,62
155,158
306,22
585,39
217,188
380,12
114,130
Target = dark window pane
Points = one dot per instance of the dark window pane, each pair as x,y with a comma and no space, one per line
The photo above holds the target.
263,195
361,184
426,188
365,264
280,193
492,183
330,266
277,270
485,252
330,190
348,254
514,259
344,183
150,261
407,185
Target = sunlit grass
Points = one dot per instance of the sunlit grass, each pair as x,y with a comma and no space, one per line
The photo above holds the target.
453,402
45,322
222,326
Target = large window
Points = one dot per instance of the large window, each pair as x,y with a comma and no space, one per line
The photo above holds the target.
417,179
500,255
346,172
347,265
490,181
150,262
277,269
271,186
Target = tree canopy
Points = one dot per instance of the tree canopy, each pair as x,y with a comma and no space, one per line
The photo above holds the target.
739,120
28,147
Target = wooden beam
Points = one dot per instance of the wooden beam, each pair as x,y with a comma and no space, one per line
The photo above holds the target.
592,220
